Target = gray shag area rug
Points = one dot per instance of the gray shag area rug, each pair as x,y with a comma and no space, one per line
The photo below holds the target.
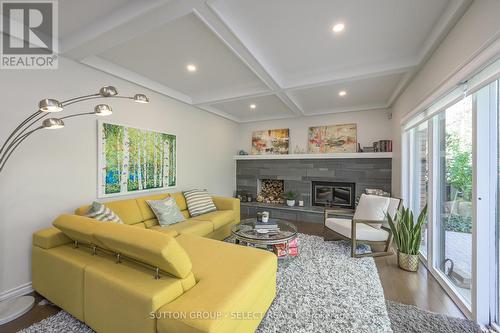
322,290
410,319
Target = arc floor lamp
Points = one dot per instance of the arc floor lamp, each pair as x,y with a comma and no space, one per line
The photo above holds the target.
14,308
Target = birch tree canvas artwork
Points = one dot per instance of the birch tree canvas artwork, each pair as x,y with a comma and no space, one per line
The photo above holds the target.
133,160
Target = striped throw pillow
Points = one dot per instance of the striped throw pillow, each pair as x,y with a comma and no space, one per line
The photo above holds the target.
199,202
102,213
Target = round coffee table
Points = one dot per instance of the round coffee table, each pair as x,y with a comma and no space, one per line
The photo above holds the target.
245,232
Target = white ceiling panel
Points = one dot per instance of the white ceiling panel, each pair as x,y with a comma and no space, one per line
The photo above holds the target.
281,55
162,55
266,107
75,15
360,94
295,42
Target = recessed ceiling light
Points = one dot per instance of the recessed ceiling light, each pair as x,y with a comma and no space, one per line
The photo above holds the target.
191,68
253,106
342,93
339,27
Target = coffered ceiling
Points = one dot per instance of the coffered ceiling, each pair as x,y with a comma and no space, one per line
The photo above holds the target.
250,60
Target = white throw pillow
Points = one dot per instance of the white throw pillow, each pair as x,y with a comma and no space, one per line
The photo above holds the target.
372,208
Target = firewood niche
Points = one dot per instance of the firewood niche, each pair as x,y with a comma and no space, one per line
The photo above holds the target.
271,191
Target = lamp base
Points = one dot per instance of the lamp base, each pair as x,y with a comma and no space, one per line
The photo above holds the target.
15,308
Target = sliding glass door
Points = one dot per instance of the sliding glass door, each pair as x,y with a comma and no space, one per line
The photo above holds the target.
451,156
453,225
419,175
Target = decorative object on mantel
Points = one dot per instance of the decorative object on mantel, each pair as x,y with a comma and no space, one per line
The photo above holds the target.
319,156
299,150
290,197
16,307
382,146
407,236
274,142
135,160
242,153
333,139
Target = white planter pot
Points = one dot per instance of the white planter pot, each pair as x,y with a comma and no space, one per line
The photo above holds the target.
290,203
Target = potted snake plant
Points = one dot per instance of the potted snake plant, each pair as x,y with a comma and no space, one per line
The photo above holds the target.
407,236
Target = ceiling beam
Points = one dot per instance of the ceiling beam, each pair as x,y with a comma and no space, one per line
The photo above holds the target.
213,21
131,76
447,21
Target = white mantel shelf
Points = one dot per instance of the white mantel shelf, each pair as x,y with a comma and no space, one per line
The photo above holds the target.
312,156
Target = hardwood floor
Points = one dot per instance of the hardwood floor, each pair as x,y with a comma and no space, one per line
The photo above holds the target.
36,314
420,289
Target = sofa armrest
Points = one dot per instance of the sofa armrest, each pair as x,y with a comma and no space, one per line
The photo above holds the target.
49,238
226,203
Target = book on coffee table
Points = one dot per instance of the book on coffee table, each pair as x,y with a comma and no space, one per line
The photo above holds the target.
271,224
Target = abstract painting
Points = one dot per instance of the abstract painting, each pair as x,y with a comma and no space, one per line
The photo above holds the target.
134,160
271,142
332,139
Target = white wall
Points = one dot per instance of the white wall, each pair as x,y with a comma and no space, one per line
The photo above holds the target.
373,125
478,26
55,171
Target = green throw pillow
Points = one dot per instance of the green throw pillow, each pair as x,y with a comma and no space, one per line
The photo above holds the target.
167,211
102,213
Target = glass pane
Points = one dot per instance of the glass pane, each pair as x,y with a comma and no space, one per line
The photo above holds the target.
454,222
419,177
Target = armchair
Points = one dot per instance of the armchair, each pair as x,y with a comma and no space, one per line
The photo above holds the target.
367,225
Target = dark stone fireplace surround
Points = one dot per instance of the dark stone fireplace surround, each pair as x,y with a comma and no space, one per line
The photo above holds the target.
298,175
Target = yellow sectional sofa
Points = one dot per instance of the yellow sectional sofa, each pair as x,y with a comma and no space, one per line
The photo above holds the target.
141,277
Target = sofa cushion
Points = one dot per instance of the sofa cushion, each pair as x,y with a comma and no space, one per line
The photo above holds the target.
146,211
372,208
219,218
190,226
181,201
363,231
226,285
121,298
127,210
102,213
78,228
49,238
199,202
166,210
151,223
147,246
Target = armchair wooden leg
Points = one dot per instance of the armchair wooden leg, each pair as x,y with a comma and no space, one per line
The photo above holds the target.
353,240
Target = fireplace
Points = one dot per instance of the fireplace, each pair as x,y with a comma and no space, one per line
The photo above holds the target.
335,194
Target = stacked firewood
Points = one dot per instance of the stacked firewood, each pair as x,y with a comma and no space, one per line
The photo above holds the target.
271,191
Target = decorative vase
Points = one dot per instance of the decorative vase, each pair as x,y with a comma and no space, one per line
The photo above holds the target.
290,203
408,262
265,217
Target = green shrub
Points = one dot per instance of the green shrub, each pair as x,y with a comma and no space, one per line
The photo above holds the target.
458,223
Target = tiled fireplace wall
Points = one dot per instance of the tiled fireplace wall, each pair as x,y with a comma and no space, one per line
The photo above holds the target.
298,174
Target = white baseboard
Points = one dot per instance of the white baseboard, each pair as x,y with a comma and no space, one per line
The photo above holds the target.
17,291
